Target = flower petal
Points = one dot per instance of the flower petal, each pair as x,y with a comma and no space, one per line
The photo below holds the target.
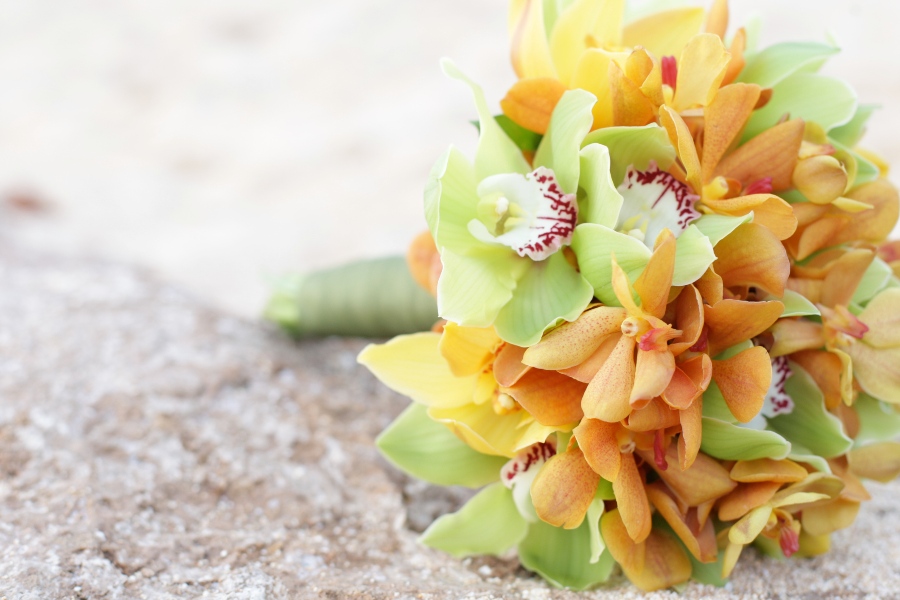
587,370
552,399
530,49
731,442
879,461
689,319
595,245
581,22
733,321
599,442
467,350
882,315
570,122
700,541
724,119
706,480
744,380
608,395
654,283
877,370
570,344
691,434
508,367
827,518
664,33
630,107
489,433
701,70
767,469
601,201
563,556
653,372
530,102
633,146
745,498
564,489
631,499
768,210
772,153
753,256
681,138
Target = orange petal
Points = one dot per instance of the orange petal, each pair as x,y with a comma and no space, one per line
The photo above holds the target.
768,210
530,102
772,153
724,120
874,225
737,62
630,555
710,287
700,541
822,178
552,399
733,321
424,262
600,443
845,275
653,372
745,498
681,391
880,461
631,499
826,369
753,256
817,235
608,395
706,480
681,138
587,370
767,469
691,432
653,285
656,415
630,106
563,489
744,381
689,319
571,344
793,335
717,18
508,365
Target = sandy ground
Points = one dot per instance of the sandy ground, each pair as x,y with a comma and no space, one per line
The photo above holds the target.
219,142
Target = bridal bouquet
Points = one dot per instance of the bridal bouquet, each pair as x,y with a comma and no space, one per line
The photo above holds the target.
669,319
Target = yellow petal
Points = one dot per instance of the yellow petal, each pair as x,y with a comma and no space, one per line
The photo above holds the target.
489,433
681,138
700,71
584,22
629,554
827,518
746,497
572,343
530,102
664,33
772,153
653,285
653,372
733,321
413,366
599,442
768,210
725,118
592,74
751,525
467,350
631,499
530,50
767,469
630,107
753,256
551,398
424,262
879,461
563,489
608,395
744,380
877,370
821,179
882,315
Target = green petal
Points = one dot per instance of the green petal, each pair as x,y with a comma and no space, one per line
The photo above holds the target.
774,64
488,524
796,305
731,442
874,280
801,454
550,291
718,227
878,421
450,201
850,133
570,122
634,146
693,255
866,170
563,556
714,405
496,153
598,199
594,245
708,573
594,512
427,450
810,424
473,288
827,101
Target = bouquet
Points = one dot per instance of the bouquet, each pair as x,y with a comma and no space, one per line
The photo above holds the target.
668,313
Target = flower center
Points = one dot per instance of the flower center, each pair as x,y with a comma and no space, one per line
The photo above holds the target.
533,456
777,401
842,327
529,213
654,200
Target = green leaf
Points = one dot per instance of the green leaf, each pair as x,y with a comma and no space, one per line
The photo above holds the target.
796,305
636,146
731,442
774,64
850,133
427,450
562,556
810,425
496,153
827,101
451,201
707,573
525,139
878,421
718,227
598,199
714,406
693,255
473,288
570,122
874,280
550,290
488,524
594,245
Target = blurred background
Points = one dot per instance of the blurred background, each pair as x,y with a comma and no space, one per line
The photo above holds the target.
222,142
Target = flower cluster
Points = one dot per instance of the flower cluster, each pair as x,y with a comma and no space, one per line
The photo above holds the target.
669,314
